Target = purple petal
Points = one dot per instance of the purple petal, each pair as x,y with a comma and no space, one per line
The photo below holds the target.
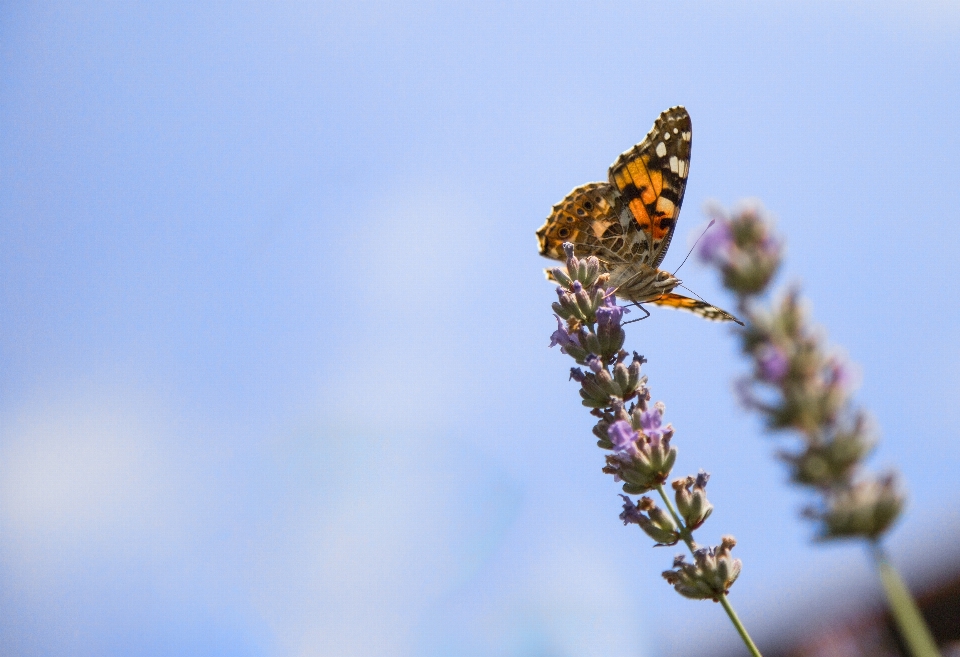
651,420
594,364
562,337
622,435
716,244
772,363
630,511
609,316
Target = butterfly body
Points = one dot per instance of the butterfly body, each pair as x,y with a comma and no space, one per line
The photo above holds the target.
640,283
629,221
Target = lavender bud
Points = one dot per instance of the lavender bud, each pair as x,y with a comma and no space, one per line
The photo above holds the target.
712,574
626,381
657,524
560,276
691,497
597,390
572,263
866,509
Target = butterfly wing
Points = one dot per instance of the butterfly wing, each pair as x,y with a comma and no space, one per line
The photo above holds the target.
629,222
651,178
695,306
589,218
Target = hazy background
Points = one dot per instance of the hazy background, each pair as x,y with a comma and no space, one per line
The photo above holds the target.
274,376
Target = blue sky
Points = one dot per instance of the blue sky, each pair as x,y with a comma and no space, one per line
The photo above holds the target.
273,364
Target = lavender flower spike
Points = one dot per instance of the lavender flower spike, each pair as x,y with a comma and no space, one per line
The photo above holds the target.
639,454
799,386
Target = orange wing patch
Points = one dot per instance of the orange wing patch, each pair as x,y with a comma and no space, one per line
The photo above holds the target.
695,306
652,178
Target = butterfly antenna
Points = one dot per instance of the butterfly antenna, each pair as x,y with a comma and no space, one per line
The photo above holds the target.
708,303
712,221
692,292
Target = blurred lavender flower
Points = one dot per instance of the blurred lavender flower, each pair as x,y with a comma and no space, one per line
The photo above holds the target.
797,385
745,251
772,363
717,245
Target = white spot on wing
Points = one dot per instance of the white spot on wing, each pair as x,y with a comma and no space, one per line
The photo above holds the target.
666,136
661,149
683,169
674,164
686,136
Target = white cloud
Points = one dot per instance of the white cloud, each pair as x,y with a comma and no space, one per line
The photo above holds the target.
414,270
352,572
563,598
77,473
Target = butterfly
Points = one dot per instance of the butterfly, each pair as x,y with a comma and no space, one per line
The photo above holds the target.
629,221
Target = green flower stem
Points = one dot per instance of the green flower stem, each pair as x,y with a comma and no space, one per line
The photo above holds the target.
914,631
687,537
727,607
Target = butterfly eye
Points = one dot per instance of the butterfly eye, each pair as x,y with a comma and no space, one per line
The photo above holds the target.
569,219
563,232
580,212
588,205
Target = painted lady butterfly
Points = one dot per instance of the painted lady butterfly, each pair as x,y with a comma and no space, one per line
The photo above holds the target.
629,221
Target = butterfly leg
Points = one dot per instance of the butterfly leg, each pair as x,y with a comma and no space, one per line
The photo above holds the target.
638,318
